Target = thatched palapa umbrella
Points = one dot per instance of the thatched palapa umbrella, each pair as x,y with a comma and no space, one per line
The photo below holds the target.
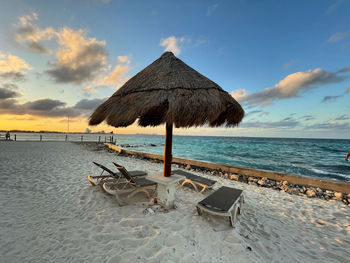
169,91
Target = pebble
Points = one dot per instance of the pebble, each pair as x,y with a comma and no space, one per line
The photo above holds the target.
150,211
293,191
262,181
338,196
234,177
310,193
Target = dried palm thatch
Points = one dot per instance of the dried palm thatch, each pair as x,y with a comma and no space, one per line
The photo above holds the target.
169,91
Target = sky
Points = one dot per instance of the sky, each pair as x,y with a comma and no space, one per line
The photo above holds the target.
286,62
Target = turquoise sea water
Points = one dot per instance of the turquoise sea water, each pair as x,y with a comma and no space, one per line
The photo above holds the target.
322,158
306,157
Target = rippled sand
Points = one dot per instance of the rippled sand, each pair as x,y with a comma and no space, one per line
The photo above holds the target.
51,213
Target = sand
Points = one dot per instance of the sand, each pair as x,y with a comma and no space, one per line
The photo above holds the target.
51,213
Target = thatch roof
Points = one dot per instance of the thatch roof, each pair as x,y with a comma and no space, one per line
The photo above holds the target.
169,91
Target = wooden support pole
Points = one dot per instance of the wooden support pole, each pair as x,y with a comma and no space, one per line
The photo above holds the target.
167,152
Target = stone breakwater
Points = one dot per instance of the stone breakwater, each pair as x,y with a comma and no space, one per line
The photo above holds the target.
284,186
280,185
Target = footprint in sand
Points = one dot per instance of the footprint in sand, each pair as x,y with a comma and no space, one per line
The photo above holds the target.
174,240
131,243
131,222
338,215
145,231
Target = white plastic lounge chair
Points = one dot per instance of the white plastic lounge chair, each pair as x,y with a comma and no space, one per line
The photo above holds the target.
111,176
195,180
225,201
131,186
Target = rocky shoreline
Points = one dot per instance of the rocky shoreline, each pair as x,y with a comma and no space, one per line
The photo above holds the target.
284,186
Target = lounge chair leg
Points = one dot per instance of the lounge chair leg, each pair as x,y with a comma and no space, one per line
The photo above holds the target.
154,193
190,182
203,188
231,221
234,215
199,211
241,202
119,201
104,187
93,182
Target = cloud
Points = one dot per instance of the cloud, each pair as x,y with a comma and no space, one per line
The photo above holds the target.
289,64
334,98
88,90
172,44
290,87
343,70
79,59
333,7
49,107
211,9
10,86
200,42
252,112
89,104
307,117
24,118
338,37
28,19
239,94
331,98
12,67
285,123
7,93
330,126
42,107
76,119
123,59
38,48
117,76
44,104
29,34
119,73
15,76
342,118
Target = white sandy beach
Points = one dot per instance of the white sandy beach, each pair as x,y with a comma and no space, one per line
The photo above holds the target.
51,213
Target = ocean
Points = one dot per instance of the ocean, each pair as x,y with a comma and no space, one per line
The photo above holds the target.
319,158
